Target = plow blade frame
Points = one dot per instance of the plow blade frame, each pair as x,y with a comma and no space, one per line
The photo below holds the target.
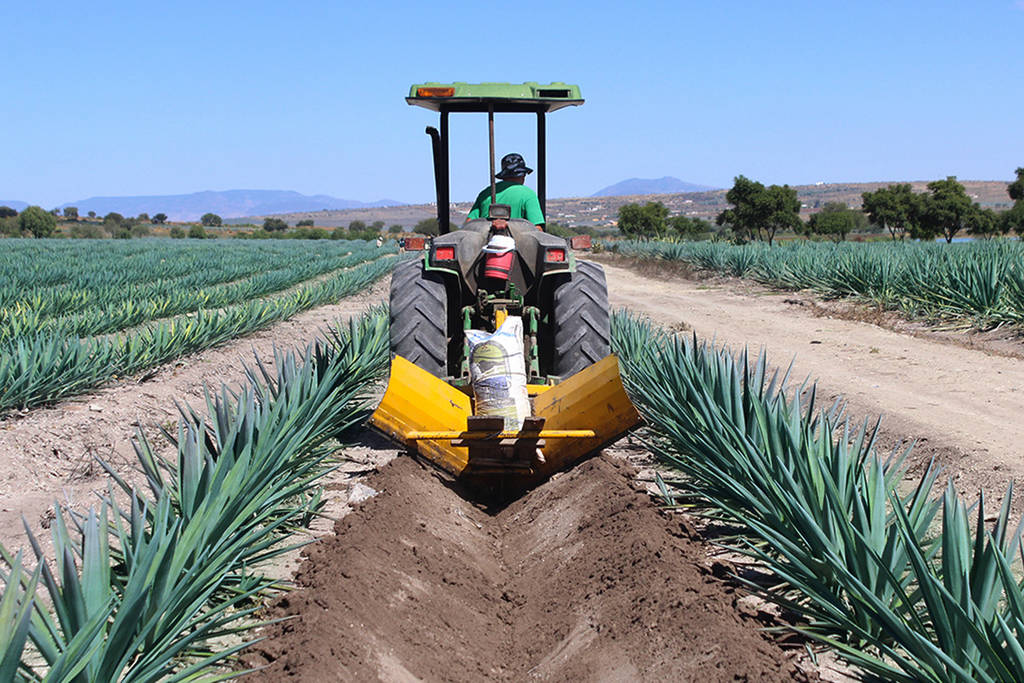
581,415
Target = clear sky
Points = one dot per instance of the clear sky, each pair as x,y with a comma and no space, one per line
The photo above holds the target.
132,98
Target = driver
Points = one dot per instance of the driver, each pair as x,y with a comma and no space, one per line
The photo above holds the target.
512,191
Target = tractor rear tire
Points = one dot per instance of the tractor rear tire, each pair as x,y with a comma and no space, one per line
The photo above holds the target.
581,320
419,317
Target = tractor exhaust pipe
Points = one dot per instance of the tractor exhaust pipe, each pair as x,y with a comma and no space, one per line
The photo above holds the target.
440,181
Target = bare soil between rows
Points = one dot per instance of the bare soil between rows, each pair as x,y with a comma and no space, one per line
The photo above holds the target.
580,579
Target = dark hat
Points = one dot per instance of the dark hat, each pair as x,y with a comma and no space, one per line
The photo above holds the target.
513,166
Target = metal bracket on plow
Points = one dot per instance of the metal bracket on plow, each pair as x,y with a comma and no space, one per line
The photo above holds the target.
492,450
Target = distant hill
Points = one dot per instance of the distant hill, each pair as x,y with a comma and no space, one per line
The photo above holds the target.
17,206
666,185
226,204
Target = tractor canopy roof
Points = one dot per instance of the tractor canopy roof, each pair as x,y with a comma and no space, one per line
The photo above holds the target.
502,97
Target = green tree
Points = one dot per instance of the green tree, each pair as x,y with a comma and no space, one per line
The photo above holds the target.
305,223
91,214
643,222
689,228
160,218
144,218
1013,220
947,209
892,208
7,212
197,232
835,221
356,226
1016,188
71,213
395,229
139,229
760,211
113,218
377,226
274,225
211,220
177,232
37,221
427,226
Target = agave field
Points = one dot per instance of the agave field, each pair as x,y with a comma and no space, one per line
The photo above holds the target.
971,284
75,314
906,584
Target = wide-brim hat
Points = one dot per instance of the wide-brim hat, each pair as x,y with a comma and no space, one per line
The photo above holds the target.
499,244
513,166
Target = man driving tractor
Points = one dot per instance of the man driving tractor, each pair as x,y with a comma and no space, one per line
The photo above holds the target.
512,191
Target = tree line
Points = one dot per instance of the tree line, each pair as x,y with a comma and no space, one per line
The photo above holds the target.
759,212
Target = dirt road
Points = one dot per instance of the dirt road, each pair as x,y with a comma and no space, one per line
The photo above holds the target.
965,406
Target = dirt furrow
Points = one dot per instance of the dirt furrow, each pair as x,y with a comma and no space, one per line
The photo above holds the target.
581,579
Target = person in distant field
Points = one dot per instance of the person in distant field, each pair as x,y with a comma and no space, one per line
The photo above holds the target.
512,191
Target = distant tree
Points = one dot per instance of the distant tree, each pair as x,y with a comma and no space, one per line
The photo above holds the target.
196,232
177,232
7,212
37,221
982,222
689,228
395,229
1016,188
835,221
211,220
1013,220
356,226
644,222
86,231
139,229
10,226
760,211
892,208
305,223
143,218
113,218
947,209
91,214
427,226
274,225
159,218
377,226
71,213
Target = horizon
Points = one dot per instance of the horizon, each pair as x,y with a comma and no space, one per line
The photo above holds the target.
310,99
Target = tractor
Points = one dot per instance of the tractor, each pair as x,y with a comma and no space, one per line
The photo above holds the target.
578,401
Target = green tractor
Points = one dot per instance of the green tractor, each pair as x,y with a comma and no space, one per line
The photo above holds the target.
563,302
577,400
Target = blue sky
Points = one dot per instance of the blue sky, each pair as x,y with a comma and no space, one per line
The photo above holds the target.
132,98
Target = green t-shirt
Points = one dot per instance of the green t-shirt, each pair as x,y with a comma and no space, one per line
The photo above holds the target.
522,199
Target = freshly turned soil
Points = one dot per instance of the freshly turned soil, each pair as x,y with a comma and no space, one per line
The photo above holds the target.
580,579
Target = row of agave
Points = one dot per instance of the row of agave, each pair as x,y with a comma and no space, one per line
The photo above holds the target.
162,298
977,284
40,368
140,588
853,551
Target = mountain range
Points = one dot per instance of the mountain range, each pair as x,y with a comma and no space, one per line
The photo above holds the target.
226,204
666,185
17,206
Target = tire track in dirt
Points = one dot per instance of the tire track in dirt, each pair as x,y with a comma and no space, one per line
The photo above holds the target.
963,405
580,579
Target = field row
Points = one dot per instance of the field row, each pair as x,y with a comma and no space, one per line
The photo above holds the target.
61,340
979,284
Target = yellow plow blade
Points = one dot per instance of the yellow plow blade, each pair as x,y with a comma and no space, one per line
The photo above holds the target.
581,415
